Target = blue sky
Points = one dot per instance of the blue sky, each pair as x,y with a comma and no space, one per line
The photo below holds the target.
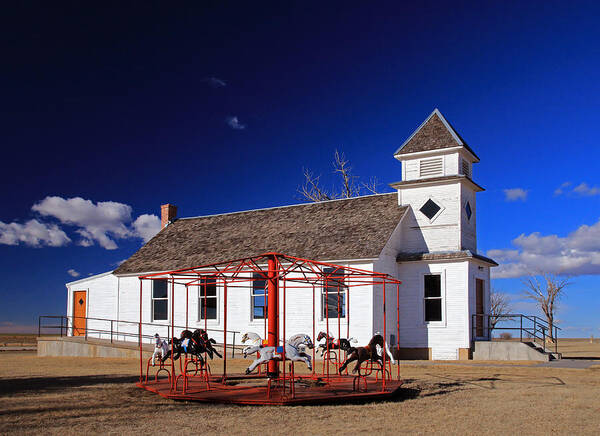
218,107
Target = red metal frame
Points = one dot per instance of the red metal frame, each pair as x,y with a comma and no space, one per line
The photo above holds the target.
282,272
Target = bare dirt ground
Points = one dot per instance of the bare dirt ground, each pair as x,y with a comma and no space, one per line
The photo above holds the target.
66,395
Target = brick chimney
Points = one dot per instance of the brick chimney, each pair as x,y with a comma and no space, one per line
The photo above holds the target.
168,212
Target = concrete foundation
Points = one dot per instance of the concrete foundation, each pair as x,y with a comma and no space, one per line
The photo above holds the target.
79,347
507,351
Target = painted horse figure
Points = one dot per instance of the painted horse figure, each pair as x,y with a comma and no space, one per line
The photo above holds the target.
253,339
331,344
292,352
195,343
373,351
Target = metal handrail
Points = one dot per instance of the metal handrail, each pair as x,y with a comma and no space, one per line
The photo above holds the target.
66,325
539,330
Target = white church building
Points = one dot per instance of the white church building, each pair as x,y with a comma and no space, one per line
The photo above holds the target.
423,234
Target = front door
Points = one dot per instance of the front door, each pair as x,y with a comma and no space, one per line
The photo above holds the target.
479,308
79,305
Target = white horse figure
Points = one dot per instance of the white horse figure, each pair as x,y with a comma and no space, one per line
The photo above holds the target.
292,352
253,339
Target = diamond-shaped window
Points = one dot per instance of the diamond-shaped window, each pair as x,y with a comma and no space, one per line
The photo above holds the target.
468,210
430,209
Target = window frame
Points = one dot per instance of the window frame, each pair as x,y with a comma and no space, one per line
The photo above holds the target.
153,299
441,298
439,212
343,290
211,297
255,278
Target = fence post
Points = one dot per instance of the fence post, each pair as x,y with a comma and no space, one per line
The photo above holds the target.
111,331
86,328
521,329
232,346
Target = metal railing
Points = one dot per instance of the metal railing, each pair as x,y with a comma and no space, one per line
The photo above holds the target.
531,328
65,326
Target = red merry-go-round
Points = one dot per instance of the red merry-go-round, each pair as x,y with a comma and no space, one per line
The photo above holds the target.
276,381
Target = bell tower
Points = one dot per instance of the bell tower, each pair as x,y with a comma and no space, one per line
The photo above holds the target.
437,184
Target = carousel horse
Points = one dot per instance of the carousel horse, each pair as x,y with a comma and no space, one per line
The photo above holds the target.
203,344
292,352
331,344
253,339
161,348
373,351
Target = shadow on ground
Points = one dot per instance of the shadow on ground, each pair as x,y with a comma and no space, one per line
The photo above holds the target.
46,384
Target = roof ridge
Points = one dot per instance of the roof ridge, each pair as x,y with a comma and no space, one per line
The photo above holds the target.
286,206
460,142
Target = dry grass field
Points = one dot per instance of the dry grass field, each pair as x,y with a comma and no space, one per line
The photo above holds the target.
83,395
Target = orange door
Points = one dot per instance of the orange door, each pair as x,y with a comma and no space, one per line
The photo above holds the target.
79,305
479,308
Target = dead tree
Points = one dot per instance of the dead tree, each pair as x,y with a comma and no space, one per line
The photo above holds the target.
546,289
499,308
348,187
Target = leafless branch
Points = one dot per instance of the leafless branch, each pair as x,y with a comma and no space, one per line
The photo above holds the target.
546,289
499,307
311,188
342,167
372,185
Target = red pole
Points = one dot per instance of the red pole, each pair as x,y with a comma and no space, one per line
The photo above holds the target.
172,331
273,309
384,341
187,305
283,340
140,334
313,331
339,324
224,329
327,321
398,326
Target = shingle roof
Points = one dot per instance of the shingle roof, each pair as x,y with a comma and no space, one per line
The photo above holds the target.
356,228
464,254
434,134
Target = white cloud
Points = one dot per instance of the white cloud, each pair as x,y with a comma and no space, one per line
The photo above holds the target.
146,226
73,273
33,233
561,189
582,190
234,123
585,190
578,253
215,82
101,223
515,194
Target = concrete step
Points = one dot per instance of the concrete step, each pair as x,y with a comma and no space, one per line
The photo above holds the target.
508,350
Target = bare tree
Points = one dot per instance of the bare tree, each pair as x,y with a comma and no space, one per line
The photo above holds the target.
546,289
349,187
499,307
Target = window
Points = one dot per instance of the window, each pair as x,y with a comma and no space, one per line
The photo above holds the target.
468,211
431,167
333,294
160,300
433,297
430,209
259,297
466,167
207,304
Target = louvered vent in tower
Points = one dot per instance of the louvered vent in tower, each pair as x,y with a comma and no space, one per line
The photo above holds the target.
431,167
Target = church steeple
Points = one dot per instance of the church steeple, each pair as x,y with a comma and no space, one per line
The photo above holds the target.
435,149
437,184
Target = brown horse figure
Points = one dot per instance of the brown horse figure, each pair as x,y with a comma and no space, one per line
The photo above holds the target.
371,352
